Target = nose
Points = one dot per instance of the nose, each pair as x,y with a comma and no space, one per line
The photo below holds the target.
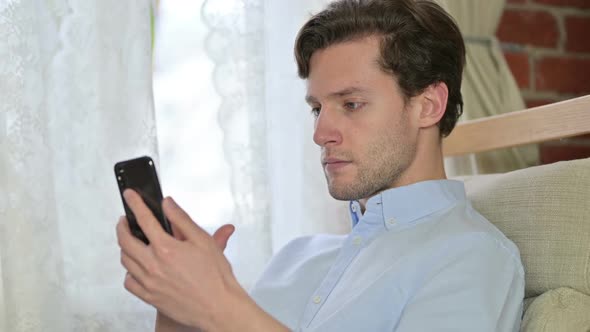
326,130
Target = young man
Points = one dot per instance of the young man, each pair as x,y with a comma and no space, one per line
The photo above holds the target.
384,81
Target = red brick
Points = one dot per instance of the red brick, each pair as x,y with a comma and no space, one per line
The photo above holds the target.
531,27
563,74
519,65
577,28
583,139
530,103
565,3
550,153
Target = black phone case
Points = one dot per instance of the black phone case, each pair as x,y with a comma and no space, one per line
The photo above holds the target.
140,175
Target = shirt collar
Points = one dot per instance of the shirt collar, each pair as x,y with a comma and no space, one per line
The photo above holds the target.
403,205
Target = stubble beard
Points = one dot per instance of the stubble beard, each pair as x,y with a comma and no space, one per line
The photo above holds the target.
368,182
380,169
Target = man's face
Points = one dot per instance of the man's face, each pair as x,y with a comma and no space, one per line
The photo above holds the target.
362,125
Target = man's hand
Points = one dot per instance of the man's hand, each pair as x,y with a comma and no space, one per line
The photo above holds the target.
165,323
186,277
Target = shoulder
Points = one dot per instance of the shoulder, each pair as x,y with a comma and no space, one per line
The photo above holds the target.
485,253
456,236
470,280
481,233
463,237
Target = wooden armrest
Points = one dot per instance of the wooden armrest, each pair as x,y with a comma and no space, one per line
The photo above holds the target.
558,120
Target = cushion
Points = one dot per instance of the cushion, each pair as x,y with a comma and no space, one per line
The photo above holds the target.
562,309
545,211
527,302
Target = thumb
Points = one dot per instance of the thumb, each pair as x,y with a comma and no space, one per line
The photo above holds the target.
222,234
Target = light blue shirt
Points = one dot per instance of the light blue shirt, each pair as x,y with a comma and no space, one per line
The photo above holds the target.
419,259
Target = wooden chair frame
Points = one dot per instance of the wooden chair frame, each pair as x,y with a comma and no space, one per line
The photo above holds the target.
554,121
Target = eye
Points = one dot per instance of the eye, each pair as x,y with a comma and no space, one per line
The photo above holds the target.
353,106
315,111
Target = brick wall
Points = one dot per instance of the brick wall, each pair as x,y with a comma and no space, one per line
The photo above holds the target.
547,46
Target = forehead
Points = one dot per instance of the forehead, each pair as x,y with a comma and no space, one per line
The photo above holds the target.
346,64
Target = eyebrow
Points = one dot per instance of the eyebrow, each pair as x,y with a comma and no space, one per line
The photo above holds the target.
341,93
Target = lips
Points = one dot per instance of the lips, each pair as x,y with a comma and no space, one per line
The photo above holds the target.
334,164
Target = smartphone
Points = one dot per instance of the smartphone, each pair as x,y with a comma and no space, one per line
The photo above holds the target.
140,175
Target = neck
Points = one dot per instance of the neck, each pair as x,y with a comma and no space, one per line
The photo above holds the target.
427,163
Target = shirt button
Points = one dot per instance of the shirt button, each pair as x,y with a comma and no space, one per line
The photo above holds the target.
354,208
357,240
391,221
317,299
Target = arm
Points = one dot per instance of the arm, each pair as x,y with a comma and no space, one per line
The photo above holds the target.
480,289
245,317
186,277
166,324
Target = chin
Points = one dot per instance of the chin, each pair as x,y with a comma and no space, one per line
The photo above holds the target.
342,192
340,196
341,188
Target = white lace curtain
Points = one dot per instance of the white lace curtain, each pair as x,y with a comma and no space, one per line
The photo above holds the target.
235,36
75,86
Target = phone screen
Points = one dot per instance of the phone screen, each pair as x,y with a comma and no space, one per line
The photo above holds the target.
140,175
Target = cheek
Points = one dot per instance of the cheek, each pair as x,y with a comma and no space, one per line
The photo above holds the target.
391,138
386,133
361,139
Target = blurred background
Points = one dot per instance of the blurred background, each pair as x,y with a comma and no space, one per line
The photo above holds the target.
547,48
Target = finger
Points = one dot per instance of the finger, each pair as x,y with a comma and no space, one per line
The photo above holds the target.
133,267
144,216
182,221
131,245
222,235
177,234
134,287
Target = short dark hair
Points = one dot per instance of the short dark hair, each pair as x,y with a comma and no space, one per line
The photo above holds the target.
421,44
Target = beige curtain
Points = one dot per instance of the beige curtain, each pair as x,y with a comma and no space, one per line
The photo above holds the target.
488,85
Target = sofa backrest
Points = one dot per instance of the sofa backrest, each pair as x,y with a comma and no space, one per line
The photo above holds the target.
545,211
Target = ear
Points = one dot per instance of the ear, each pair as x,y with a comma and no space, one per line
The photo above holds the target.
434,104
